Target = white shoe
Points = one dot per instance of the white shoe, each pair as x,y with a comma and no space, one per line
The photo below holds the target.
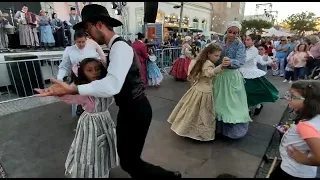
290,82
285,80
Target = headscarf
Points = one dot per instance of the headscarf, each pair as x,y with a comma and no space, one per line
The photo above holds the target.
187,38
235,24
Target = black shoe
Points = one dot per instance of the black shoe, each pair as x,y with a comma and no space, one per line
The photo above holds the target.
258,110
79,110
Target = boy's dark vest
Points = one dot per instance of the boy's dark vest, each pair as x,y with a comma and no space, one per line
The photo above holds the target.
132,88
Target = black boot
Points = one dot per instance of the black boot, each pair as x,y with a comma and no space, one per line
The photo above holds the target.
258,110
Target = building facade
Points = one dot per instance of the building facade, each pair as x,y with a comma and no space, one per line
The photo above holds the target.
259,16
224,13
196,15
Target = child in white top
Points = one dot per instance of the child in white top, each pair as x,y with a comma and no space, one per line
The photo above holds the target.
300,145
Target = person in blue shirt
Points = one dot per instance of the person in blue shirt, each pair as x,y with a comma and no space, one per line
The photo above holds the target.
281,54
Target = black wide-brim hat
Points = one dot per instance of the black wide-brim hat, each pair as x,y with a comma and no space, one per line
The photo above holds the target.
96,12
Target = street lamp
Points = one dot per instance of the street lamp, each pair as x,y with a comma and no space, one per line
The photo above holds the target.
181,11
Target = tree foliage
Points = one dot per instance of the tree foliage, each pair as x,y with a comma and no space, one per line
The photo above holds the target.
302,22
255,25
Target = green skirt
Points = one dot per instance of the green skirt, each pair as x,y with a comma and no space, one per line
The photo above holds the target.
260,90
230,99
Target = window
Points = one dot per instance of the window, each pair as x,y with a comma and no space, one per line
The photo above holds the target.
195,23
241,7
229,4
204,25
139,19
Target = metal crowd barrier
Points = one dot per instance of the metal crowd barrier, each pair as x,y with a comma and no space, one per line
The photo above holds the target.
22,76
25,75
166,57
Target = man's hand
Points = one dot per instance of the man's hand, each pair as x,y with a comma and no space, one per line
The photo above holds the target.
57,89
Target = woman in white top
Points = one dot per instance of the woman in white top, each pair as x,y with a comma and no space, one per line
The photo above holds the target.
84,48
258,88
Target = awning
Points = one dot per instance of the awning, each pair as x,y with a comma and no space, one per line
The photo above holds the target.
195,30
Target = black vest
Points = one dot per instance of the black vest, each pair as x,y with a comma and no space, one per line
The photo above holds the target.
133,88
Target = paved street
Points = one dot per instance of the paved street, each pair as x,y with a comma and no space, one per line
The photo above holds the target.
34,142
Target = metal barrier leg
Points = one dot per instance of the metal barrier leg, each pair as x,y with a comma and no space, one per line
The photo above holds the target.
74,110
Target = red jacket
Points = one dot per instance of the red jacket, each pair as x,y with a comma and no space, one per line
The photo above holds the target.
141,51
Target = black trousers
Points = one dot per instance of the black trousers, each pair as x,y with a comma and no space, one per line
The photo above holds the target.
59,37
289,75
133,123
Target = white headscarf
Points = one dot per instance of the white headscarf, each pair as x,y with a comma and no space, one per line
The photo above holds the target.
235,24
187,38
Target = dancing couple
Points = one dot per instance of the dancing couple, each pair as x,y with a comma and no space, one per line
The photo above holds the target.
219,99
123,81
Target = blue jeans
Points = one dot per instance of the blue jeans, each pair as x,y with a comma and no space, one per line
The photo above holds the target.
281,65
299,73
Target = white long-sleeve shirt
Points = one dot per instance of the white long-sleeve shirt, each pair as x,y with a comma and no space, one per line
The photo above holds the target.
73,55
263,62
121,58
250,70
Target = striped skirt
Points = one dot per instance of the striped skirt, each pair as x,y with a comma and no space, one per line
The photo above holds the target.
93,151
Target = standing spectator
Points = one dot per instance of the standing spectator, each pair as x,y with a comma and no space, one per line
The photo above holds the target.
58,28
299,59
215,38
314,53
155,40
282,50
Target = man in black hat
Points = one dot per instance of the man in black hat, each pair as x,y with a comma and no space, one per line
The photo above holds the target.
123,81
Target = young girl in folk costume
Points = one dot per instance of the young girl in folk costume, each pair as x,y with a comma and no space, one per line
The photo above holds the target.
258,88
299,147
93,151
154,74
289,70
228,89
180,66
193,116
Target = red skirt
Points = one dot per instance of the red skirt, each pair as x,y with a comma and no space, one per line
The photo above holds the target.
180,67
